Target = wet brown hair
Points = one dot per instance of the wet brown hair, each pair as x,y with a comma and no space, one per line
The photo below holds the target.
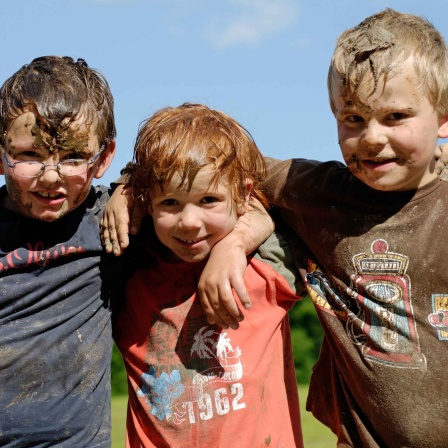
58,90
378,47
188,138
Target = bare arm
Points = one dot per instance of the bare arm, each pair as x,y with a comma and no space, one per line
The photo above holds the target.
226,267
441,154
122,215
227,263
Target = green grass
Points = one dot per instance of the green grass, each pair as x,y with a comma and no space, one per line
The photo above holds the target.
119,406
315,434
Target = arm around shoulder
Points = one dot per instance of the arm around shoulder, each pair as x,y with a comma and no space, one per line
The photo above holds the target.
226,266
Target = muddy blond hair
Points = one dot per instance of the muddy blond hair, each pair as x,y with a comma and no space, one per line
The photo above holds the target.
378,47
59,90
188,138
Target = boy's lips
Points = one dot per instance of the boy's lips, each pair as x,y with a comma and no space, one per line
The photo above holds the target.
49,197
49,194
379,162
191,242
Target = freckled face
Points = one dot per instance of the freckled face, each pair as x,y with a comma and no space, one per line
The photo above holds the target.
191,222
388,138
49,196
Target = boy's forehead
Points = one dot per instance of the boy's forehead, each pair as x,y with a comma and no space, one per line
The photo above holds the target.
26,129
369,85
400,91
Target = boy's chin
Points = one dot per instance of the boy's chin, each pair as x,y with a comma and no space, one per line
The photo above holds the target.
379,183
47,215
391,185
190,258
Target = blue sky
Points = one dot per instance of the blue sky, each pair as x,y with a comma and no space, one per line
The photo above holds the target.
264,62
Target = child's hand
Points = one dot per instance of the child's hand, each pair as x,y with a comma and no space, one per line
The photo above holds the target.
224,271
122,215
227,264
442,161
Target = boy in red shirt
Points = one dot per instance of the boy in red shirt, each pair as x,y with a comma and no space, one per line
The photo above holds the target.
191,383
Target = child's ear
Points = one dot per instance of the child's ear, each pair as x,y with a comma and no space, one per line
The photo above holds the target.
243,207
443,127
105,159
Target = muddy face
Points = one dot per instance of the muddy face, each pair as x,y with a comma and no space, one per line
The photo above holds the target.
50,195
388,137
63,140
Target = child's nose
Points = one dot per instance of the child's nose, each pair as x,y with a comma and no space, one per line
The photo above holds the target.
189,217
50,175
374,134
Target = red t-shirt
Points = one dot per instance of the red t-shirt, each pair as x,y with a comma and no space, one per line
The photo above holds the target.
192,384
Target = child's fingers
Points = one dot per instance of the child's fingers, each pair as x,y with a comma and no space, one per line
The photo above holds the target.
137,214
215,303
114,235
223,272
116,219
441,155
104,235
241,291
120,234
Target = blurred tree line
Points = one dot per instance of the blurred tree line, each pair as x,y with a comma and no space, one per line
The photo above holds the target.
306,334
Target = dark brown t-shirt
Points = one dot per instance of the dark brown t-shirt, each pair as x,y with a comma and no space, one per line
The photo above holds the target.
380,378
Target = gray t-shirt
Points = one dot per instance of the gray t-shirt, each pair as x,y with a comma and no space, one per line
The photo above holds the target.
55,330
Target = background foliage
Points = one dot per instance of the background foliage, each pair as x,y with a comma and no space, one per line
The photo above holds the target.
307,334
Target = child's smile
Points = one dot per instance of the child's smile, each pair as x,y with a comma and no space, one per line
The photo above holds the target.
191,222
46,195
388,138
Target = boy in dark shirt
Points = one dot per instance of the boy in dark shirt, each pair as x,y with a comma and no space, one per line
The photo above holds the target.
57,134
376,228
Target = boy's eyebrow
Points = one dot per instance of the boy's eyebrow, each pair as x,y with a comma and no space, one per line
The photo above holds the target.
87,153
353,107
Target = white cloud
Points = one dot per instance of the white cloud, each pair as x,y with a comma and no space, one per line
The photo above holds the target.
250,21
301,43
224,23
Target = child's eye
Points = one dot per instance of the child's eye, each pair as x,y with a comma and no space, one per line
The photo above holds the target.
209,200
397,116
74,156
354,119
169,202
27,155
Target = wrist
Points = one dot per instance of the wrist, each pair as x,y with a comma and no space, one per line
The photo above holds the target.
234,241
